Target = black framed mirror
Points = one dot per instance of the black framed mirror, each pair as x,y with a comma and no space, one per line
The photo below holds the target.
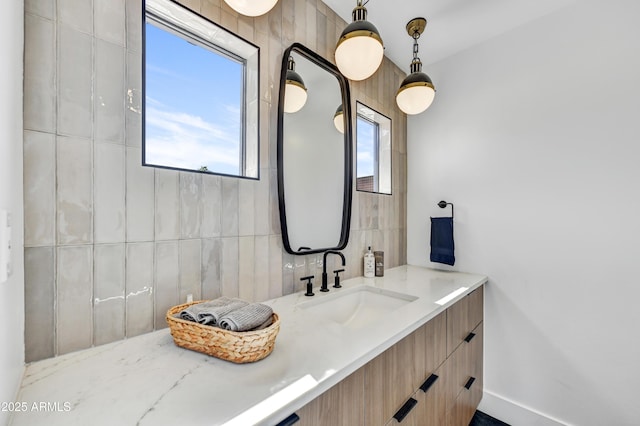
314,153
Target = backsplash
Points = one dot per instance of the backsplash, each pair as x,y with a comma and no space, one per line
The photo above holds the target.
111,245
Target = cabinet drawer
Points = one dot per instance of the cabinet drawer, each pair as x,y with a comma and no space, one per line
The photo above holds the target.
430,409
463,317
396,373
343,404
390,378
464,368
464,407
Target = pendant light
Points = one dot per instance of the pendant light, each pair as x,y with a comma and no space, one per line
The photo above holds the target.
359,50
338,119
416,91
251,7
295,92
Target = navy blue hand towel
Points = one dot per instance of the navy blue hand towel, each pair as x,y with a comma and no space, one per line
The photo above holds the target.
442,240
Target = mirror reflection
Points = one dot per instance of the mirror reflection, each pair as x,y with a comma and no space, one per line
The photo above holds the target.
314,156
373,150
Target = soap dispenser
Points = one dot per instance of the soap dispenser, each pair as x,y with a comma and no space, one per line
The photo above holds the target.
369,264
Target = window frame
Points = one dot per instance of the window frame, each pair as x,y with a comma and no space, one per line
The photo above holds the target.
196,29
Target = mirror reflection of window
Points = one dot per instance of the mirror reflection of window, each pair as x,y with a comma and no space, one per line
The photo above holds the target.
200,95
373,151
367,149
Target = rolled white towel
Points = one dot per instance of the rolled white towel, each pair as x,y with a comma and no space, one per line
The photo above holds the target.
246,318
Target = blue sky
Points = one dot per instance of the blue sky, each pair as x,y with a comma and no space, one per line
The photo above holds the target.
193,105
365,150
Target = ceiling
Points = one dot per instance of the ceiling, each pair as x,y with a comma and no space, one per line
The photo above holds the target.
452,25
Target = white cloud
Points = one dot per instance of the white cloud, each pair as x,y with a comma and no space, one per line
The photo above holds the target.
178,139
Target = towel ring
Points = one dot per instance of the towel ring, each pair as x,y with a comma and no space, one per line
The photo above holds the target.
442,204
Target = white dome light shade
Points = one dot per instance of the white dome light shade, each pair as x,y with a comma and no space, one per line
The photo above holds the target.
415,98
294,97
338,119
251,7
359,57
360,50
295,91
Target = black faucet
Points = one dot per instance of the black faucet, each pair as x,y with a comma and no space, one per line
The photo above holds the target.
324,286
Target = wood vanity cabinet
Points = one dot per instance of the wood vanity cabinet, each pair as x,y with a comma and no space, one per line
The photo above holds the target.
464,366
394,375
343,404
449,346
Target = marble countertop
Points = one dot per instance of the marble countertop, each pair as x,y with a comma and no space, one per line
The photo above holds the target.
147,380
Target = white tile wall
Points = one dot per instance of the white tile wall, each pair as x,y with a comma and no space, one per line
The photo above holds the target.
190,205
108,92
109,20
108,293
77,14
139,198
40,320
74,294
190,269
39,188
167,205
167,279
75,75
74,195
139,284
39,74
109,193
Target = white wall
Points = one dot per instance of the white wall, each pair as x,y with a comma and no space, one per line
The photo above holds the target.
12,291
535,136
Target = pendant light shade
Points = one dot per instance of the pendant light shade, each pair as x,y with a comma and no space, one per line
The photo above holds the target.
338,119
416,92
295,92
360,49
251,7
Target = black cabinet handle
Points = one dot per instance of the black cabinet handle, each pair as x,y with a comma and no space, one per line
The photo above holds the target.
406,408
428,383
289,420
469,337
467,385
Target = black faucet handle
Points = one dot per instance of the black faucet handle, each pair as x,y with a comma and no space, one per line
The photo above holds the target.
337,278
309,285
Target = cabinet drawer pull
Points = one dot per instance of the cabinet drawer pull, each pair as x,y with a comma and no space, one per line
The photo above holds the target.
406,408
469,337
289,420
428,383
467,385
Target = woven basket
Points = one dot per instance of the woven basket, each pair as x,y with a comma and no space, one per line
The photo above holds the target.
238,347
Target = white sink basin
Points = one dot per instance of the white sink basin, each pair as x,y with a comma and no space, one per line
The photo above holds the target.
356,307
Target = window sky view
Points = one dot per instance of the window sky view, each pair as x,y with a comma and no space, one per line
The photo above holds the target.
366,147
193,115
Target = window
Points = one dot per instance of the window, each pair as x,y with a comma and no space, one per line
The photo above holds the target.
201,94
373,151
